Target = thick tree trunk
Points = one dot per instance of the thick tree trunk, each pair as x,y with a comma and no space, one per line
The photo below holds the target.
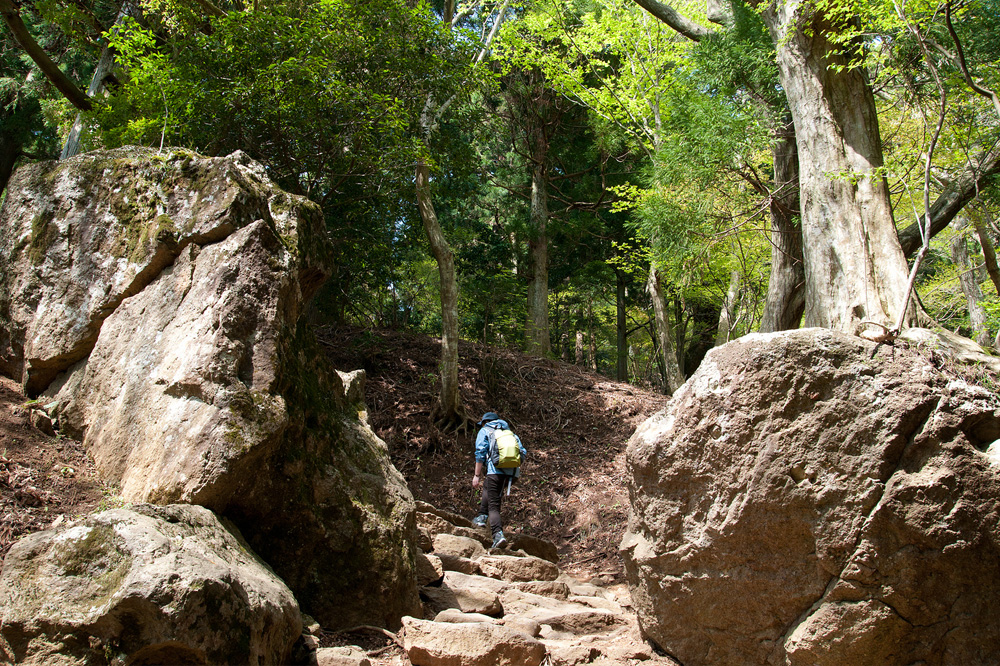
621,328
664,334
536,334
970,287
785,299
854,266
450,413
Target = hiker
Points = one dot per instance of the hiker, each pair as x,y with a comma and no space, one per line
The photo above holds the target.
500,474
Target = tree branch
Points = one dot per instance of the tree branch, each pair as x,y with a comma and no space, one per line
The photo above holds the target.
685,26
70,90
955,196
985,92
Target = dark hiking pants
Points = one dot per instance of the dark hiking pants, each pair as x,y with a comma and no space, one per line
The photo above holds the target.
494,487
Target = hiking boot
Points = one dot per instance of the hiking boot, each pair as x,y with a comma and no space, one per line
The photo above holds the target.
480,520
499,541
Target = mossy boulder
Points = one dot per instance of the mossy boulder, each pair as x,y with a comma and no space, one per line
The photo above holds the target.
182,362
151,584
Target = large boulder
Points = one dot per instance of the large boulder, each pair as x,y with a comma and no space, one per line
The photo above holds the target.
148,585
155,302
810,498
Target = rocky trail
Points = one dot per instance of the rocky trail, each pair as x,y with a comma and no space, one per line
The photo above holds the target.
570,508
495,606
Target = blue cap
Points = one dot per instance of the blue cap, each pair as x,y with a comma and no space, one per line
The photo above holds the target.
489,416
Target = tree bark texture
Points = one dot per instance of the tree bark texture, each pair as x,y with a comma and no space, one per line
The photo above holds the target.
664,333
537,325
970,287
785,301
451,412
854,266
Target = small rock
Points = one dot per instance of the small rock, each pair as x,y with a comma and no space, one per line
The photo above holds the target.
458,546
342,656
455,615
469,594
460,564
429,569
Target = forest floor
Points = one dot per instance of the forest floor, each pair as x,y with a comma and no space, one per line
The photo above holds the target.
574,423
43,478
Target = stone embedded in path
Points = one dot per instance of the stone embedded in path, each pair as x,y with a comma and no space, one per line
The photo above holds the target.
534,546
468,644
813,499
459,564
455,615
458,546
562,617
438,525
342,656
450,516
518,569
429,569
556,589
147,585
469,594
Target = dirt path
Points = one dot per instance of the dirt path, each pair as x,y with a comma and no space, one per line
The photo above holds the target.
575,424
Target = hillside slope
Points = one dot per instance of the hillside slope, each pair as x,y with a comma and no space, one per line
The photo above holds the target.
574,423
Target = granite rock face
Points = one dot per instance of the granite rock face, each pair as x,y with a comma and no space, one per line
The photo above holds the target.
154,302
810,498
153,584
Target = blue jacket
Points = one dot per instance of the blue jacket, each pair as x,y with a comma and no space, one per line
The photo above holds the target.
483,448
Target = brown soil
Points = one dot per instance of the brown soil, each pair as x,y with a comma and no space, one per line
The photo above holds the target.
573,422
42,478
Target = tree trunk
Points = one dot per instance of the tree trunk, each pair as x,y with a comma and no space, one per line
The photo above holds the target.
579,358
785,299
104,65
672,378
854,267
989,253
730,307
970,287
450,413
536,334
621,370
